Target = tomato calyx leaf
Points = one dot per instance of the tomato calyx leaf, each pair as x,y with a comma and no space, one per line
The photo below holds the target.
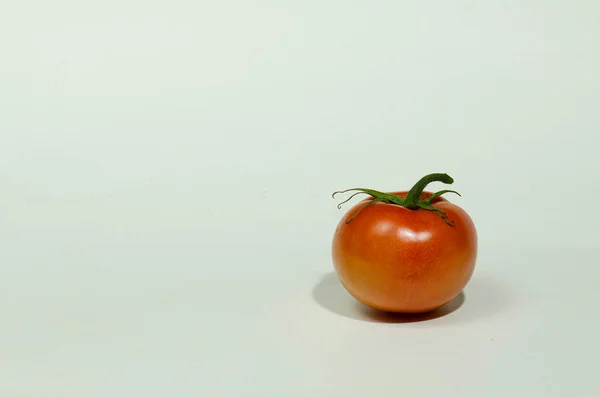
438,194
437,211
391,198
412,201
377,197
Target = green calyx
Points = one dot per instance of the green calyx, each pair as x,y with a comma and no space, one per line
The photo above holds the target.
413,198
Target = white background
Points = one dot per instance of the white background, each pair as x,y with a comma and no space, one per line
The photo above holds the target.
165,180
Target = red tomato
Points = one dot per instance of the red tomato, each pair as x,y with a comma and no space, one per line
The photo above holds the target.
402,255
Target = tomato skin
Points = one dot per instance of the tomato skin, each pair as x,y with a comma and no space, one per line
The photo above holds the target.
395,259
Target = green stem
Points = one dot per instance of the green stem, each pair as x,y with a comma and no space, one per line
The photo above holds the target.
413,197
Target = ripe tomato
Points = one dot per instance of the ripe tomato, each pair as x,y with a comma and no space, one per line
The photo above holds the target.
407,251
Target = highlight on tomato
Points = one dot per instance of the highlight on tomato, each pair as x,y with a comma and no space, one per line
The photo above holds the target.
406,251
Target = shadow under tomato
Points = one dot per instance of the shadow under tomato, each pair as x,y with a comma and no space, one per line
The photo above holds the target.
331,295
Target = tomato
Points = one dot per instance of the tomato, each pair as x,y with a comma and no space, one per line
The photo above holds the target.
406,251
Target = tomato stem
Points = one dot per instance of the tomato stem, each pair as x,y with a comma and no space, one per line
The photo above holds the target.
413,198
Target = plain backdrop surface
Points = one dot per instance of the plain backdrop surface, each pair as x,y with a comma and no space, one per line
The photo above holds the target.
165,180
